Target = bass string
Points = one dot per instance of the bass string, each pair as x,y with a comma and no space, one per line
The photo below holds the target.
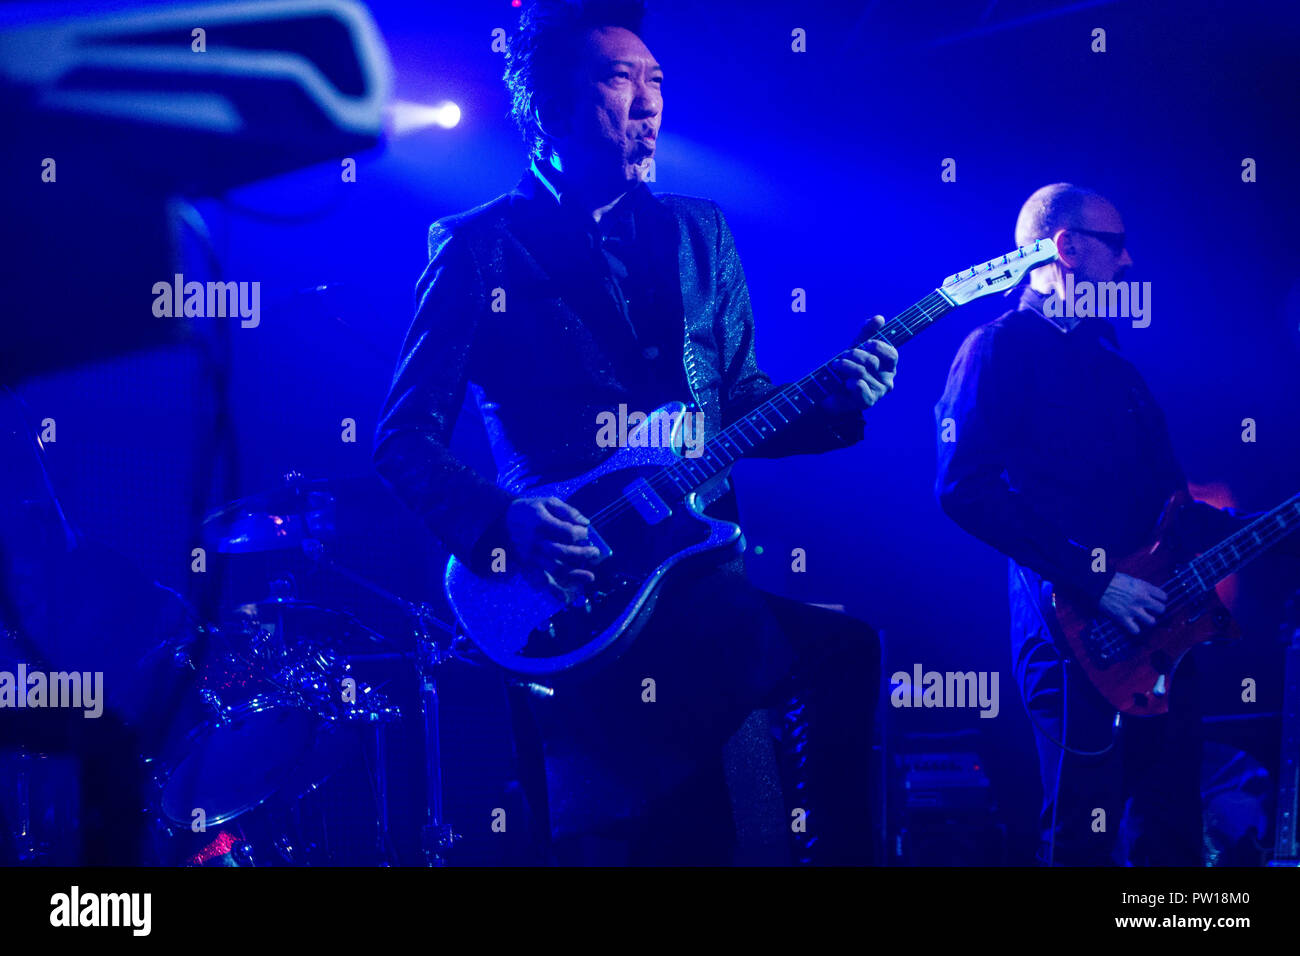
1183,588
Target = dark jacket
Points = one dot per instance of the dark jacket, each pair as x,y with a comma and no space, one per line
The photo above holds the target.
1058,448
507,310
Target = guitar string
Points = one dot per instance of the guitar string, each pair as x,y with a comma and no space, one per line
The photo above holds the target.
1182,589
918,313
670,475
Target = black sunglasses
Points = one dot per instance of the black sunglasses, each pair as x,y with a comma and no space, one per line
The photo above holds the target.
1114,240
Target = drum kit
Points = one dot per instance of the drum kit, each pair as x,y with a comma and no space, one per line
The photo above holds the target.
246,718
265,728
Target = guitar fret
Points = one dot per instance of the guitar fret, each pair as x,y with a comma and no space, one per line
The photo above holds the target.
1244,545
816,381
790,402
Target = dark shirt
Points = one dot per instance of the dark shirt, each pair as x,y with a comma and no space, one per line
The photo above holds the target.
1059,446
620,255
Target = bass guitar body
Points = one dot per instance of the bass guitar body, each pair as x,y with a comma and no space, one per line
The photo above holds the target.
1134,672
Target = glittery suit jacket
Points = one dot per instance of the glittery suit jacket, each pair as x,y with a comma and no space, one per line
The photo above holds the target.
508,314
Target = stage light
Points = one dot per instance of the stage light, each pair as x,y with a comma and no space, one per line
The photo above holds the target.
406,117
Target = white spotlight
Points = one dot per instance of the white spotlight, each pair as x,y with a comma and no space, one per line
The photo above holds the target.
406,117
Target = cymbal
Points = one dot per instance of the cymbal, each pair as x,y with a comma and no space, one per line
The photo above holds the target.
277,520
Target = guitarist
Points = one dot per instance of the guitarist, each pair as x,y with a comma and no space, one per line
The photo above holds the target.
1060,449
578,292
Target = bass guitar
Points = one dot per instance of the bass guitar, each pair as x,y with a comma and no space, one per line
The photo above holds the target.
1134,672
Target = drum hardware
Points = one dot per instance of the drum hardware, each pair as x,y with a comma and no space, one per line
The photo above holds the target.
262,719
277,520
247,716
436,643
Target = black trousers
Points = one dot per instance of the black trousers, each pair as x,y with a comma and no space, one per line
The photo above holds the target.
1133,797
632,760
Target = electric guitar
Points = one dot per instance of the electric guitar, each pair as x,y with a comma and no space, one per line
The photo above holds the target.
1134,672
645,503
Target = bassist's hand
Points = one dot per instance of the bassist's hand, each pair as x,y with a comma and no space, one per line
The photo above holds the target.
1133,602
550,537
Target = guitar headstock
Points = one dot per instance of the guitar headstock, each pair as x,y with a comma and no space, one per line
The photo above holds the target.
998,274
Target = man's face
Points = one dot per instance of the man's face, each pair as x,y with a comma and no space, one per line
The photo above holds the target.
1095,258
612,132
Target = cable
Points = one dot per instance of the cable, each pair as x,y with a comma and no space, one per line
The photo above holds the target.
1065,719
1064,681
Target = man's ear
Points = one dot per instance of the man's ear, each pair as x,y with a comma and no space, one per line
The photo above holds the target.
1066,248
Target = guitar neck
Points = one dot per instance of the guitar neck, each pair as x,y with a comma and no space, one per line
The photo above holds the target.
793,401
1238,549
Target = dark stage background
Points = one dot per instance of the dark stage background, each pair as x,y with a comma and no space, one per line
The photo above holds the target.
827,164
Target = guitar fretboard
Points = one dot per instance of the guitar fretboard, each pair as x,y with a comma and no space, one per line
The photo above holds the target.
1234,552
790,403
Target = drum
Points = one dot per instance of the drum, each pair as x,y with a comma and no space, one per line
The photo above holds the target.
258,716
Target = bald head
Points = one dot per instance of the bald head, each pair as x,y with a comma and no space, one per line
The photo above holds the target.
1058,206
1087,229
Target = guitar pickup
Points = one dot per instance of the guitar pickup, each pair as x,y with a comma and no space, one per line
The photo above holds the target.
647,504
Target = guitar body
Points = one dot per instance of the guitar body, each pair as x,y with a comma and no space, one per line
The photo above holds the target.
1134,673
534,630
646,505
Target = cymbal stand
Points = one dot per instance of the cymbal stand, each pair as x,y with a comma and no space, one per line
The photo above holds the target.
434,645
